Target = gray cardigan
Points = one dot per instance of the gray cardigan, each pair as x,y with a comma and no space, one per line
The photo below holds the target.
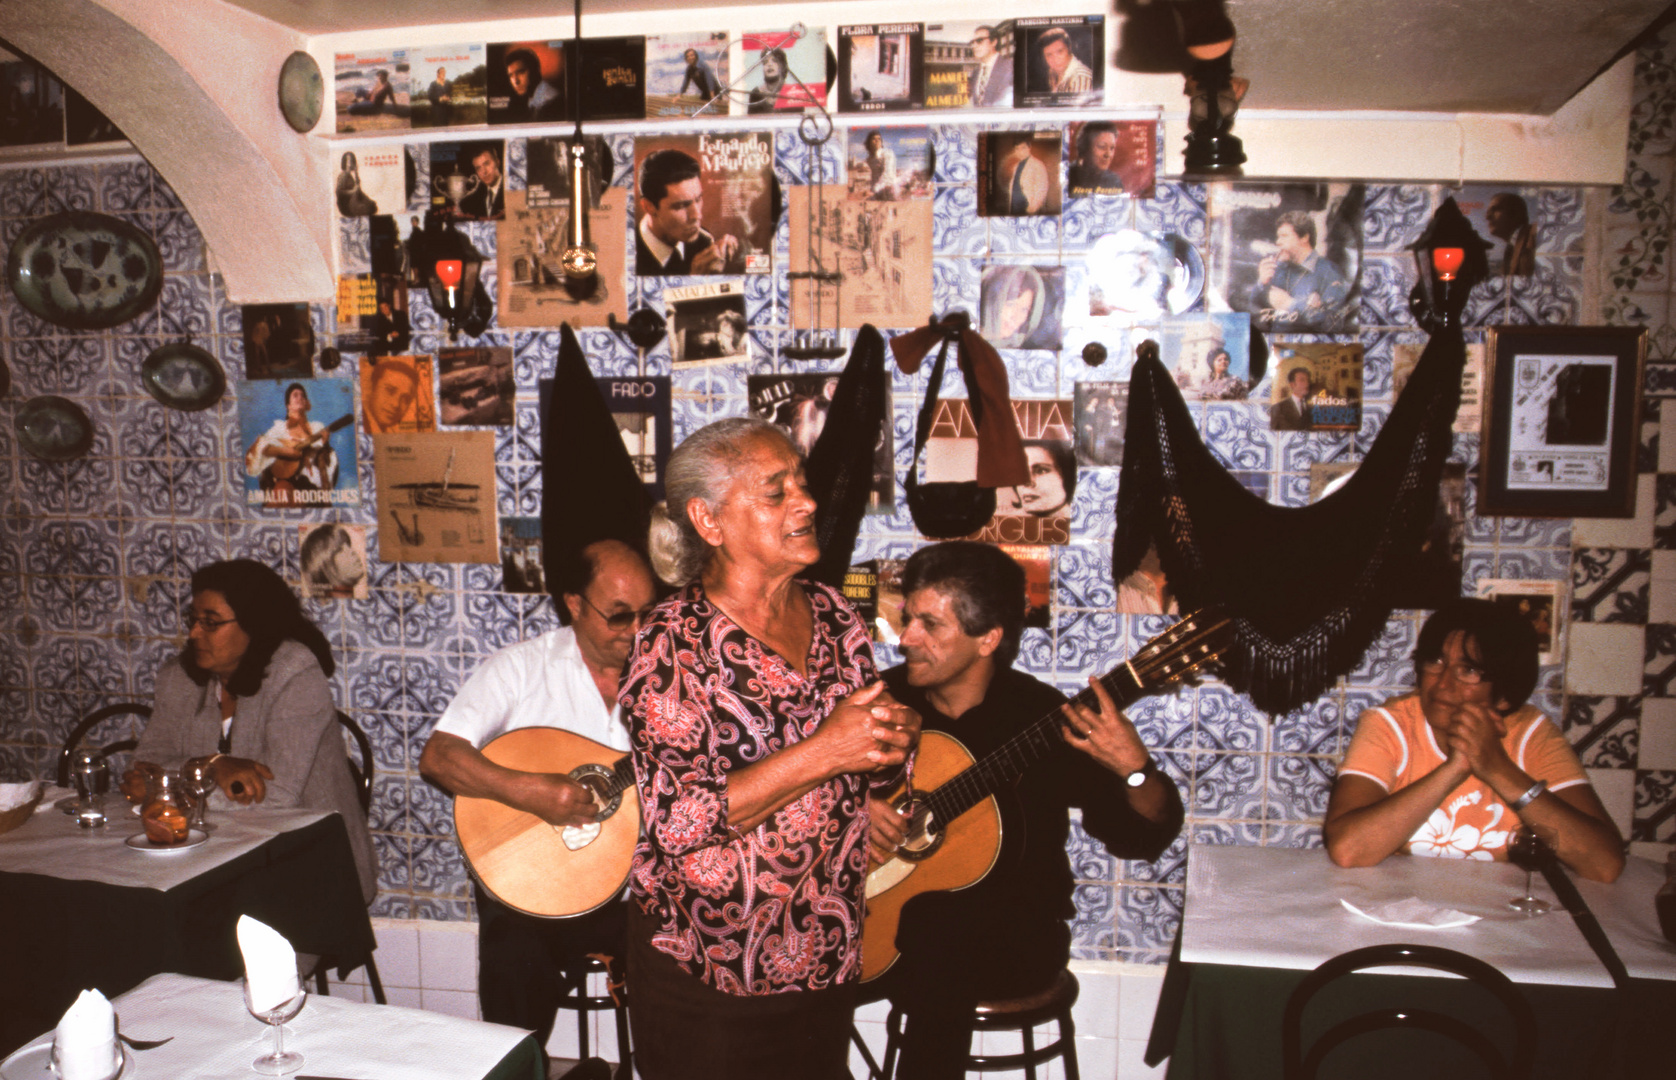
289,725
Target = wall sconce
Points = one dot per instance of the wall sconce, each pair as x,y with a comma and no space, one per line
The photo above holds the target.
1449,259
451,268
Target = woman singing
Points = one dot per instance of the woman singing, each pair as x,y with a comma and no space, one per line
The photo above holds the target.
758,726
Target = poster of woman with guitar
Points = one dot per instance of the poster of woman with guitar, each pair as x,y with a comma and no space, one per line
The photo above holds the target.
293,460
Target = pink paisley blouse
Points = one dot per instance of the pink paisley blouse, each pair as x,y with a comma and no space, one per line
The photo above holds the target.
778,908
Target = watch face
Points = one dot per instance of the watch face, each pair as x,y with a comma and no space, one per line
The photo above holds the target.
1138,777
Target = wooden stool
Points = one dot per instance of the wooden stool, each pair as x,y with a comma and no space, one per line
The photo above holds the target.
1013,1014
615,998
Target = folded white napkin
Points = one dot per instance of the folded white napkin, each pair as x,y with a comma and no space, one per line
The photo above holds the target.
86,1039
13,796
1412,913
269,963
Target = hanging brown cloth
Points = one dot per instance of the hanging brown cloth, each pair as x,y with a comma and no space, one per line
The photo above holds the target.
1307,585
590,489
1001,460
840,465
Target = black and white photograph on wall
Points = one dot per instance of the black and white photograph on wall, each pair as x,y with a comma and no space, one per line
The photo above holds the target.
332,559
707,324
476,386
1111,157
520,555
468,180
640,405
530,277
891,164
450,85
398,395
881,67
547,169
387,243
527,82
1018,173
1035,513
785,69
1469,417
1504,217
1209,354
1290,254
299,442
613,78
798,404
1316,387
278,341
1022,307
372,314
373,180
1538,602
687,74
704,204
371,89
969,65
1059,60
1100,409
84,124
33,102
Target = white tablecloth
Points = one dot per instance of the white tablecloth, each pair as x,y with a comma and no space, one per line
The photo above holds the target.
215,1038
51,843
1279,908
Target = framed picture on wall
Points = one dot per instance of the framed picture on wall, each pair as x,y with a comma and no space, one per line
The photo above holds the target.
1562,421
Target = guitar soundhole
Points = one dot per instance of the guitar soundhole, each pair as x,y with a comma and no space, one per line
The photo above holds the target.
923,837
597,778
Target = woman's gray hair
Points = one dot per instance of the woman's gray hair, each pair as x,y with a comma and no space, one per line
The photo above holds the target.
702,468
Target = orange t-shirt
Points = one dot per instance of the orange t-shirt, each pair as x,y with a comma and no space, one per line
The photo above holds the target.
1394,747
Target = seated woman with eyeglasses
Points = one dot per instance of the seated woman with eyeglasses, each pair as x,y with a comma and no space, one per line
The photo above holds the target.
1456,768
249,689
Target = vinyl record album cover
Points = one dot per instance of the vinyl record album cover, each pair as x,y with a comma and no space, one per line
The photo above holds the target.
687,74
468,180
436,497
1111,157
731,177
298,438
1059,60
1290,254
889,164
881,67
1018,173
371,89
450,85
613,78
969,65
786,69
528,82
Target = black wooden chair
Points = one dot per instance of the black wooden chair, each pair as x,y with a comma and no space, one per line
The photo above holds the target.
361,772
1296,1064
91,721
1014,1014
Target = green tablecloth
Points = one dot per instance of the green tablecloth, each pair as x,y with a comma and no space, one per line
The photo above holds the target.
58,937
1230,1024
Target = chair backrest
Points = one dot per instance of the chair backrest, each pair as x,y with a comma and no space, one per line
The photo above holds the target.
91,721
1295,1065
362,771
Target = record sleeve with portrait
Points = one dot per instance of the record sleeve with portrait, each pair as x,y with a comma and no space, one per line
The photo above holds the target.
527,82
372,314
785,69
298,439
547,169
1317,386
1209,354
881,67
969,64
1034,513
1101,410
450,85
890,164
798,403
397,394
687,74
1021,307
736,203
372,90
373,179
1059,60
332,559
278,341
1018,173
520,555
468,180
1289,254
1111,157
707,324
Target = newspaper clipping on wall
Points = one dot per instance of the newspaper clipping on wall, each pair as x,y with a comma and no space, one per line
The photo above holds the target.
436,497
1560,423
883,251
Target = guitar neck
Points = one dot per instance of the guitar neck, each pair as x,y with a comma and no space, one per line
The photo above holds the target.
622,777
1010,760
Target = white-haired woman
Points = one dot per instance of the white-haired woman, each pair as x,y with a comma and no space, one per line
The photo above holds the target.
758,726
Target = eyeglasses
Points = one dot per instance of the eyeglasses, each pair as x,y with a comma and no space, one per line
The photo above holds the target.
982,40
193,620
1465,674
622,620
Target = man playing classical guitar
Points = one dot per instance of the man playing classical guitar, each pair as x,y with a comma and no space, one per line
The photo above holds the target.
566,678
1006,935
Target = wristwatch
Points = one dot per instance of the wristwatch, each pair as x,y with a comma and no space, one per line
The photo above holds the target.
1139,776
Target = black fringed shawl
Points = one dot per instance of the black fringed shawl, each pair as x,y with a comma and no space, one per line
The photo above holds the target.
590,489
840,465
1307,586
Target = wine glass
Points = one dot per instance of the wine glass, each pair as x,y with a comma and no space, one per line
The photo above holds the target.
1526,852
198,774
281,1060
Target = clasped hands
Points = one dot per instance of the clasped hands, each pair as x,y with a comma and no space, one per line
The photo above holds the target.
869,731
1470,738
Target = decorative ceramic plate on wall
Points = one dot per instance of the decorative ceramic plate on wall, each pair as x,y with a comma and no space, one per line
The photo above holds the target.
85,271
302,92
182,376
54,428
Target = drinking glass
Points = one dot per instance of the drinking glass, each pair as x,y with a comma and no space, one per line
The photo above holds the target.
281,1060
199,777
91,776
1526,852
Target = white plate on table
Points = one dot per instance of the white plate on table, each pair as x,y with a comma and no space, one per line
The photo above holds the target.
35,1063
139,842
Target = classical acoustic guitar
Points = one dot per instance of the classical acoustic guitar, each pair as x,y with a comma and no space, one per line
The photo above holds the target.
954,823
542,869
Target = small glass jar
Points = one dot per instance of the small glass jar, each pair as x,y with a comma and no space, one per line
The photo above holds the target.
167,811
